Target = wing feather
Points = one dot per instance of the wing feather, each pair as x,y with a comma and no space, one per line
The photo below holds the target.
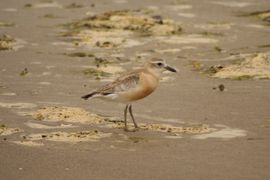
121,84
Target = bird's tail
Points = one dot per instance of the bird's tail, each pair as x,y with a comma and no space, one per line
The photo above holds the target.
87,96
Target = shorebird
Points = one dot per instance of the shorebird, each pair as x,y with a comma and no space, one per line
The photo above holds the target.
132,86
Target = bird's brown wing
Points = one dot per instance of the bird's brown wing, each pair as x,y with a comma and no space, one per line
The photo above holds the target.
121,84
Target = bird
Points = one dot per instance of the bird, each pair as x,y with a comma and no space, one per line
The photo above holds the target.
132,86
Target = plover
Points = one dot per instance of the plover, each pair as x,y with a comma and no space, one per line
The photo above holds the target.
132,86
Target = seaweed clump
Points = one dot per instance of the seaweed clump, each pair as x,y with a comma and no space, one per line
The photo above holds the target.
71,137
4,130
115,28
6,42
66,114
128,20
256,67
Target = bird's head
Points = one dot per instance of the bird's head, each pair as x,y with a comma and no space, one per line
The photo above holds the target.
159,65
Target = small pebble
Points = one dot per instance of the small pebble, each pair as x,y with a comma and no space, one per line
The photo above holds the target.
43,136
221,87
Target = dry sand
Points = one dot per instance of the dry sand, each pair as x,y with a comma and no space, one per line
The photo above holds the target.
209,121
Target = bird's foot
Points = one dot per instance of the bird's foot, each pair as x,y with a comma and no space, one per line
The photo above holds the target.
131,130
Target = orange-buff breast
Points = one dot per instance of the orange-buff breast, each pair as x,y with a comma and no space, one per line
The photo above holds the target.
147,84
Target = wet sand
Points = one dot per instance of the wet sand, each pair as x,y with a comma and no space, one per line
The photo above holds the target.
209,121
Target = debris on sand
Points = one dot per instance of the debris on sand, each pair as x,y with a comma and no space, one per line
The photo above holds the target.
102,70
213,69
113,29
218,49
50,16
4,130
6,42
220,87
45,4
28,5
263,15
74,5
96,73
78,115
79,54
136,139
72,137
28,143
24,72
167,128
127,20
257,67
196,65
177,130
67,114
6,24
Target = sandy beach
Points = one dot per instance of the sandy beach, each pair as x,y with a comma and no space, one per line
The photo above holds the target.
211,120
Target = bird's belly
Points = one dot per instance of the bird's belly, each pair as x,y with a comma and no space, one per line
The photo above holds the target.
140,92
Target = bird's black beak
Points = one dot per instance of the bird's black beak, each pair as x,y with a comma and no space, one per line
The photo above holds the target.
170,69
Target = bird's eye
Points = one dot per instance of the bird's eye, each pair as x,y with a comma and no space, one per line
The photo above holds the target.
159,64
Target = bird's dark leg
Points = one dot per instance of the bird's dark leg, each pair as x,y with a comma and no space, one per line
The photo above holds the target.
125,117
132,117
